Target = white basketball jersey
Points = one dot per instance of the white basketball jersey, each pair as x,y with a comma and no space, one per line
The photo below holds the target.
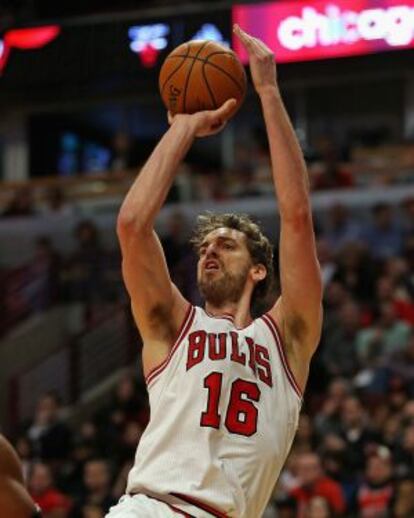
224,411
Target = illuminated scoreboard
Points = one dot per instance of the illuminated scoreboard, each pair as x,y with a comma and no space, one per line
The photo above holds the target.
322,29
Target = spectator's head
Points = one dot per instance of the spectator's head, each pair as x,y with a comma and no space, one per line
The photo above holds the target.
408,207
125,390
40,479
409,349
92,511
96,476
324,251
286,507
336,294
379,467
385,288
23,200
304,435
55,198
408,411
309,469
318,507
338,215
387,314
352,414
408,439
403,506
350,316
23,447
396,268
177,226
383,215
86,233
47,409
339,389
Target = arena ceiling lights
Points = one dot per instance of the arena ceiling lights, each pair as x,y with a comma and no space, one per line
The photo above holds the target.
305,30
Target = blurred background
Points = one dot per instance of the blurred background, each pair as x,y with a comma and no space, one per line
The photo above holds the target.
80,113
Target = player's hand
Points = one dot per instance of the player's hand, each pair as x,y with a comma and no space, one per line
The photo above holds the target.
207,122
261,60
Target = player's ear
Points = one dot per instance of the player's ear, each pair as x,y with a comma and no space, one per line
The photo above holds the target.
259,272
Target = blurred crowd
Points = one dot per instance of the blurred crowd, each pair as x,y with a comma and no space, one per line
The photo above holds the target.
353,454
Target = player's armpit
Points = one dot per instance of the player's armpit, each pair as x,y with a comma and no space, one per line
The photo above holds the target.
158,306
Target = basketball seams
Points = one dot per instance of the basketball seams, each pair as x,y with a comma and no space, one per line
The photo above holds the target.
239,86
187,81
207,62
210,91
184,56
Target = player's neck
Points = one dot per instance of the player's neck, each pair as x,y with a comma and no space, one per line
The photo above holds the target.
240,311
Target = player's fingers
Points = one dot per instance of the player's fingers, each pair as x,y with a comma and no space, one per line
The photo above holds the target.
253,45
244,37
225,109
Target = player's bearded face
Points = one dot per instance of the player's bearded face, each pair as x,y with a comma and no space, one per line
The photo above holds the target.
226,286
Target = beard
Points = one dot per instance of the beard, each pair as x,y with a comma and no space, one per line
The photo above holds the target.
227,287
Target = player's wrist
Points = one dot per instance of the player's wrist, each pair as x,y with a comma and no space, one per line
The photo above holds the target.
268,90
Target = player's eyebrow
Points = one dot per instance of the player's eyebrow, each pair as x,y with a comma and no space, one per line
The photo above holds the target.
206,242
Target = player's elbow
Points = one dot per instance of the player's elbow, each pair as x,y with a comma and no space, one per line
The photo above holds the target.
128,223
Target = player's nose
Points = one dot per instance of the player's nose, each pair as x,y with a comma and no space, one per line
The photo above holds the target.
211,250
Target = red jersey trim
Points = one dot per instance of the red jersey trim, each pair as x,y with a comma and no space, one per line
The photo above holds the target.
196,503
271,324
185,326
176,510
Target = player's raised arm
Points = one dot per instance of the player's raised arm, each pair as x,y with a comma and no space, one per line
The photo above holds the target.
298,311
157,305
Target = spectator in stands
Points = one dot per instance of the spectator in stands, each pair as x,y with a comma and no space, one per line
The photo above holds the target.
357,433
376,490
404,456
328,420
326,260
384,235
356,271
97,488
329,173
55,203
386,336
122,153
319,507
84,272
338,343
313,482
401,365
408,216
21,204
42,284
24,451
49,436
403,504
286,507
53,503
175,242
340,229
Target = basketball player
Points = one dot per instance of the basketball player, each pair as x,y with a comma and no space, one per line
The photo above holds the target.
15,501
225,390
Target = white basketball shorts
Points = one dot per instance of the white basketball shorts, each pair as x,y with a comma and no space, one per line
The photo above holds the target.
141,506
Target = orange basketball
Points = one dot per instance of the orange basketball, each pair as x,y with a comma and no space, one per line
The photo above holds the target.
201,75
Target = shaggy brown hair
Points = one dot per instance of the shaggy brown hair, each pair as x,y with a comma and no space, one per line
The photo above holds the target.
259,246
